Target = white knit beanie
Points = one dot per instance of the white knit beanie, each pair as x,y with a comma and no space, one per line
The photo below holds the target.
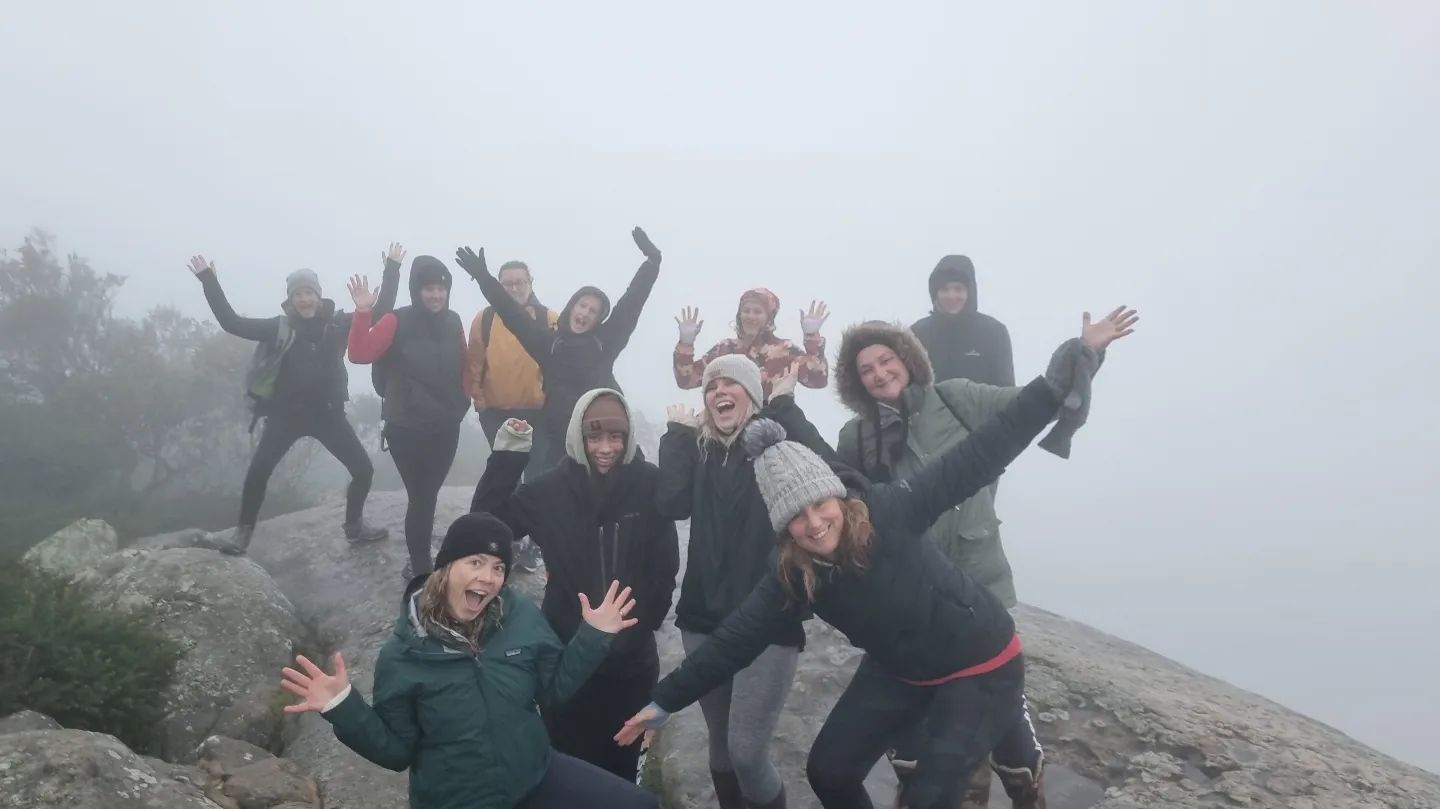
742,370
790,476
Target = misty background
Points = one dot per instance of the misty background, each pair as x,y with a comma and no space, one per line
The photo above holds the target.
1254,495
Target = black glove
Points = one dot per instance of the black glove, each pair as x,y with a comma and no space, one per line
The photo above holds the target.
472,262
646,246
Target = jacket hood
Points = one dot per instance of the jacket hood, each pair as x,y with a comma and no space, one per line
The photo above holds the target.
426,270
876,332
956,268
764,297
575,438
564,324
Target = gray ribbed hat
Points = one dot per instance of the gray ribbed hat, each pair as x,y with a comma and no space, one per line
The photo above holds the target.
302,279
742,370
790,476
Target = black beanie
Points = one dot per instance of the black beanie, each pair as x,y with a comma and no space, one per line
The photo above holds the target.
477,532
426,270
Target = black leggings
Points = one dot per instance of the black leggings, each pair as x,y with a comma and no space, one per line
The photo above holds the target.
334,433
423,458
584,727
571,782
964,721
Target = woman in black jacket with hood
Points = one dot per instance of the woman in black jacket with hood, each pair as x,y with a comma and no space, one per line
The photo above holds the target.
420,374
941,651
593,516
579,354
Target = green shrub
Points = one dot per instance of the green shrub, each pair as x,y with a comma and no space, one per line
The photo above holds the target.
87,668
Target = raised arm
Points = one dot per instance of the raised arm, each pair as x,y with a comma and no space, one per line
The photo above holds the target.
690,371
263,330
389,281
970,465
534,335
679,455
500,491
732,647
625,315
814,368
387,734
563,669
367,343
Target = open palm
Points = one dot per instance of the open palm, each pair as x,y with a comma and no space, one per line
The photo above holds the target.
313,686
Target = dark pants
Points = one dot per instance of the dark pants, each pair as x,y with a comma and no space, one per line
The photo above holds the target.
963,722
585,727
334,433
423,458
571,783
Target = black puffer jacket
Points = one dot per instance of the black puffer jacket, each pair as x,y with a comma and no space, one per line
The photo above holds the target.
421,377
312,375
731,540
912,611
968,345
591,533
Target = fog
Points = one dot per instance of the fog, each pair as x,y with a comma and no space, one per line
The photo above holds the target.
1254,494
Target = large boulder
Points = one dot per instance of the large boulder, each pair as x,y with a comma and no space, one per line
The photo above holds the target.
252,778
73,549
75,769
27,720
237,630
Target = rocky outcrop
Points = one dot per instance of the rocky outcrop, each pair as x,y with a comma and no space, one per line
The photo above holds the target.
237,629
27,720
74,548
79,770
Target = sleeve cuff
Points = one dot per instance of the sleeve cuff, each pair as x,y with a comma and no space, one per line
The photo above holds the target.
339,698
507,440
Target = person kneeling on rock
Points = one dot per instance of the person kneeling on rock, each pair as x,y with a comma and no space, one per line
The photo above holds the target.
458,683
941,652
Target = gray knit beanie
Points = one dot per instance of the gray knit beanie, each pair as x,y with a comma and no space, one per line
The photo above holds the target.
790,476
302,279
742,370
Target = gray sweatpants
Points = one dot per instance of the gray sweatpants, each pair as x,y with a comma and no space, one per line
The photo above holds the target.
742,715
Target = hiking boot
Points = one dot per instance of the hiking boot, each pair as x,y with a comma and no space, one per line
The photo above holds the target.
361,531
234,543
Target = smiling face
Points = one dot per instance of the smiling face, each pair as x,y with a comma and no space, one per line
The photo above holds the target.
952,296
605,450
753,318
305,301
434,297
516,281
727,405
585,314
882,373
816,529
471,583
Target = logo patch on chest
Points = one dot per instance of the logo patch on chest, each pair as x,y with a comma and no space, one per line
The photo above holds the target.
513,652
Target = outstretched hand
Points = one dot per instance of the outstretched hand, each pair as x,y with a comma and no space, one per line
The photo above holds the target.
472,262
199,264
646,246
609,616
314,687
784,385
361,293
396,254
690,324
637,726
682,415
810,322
1117,324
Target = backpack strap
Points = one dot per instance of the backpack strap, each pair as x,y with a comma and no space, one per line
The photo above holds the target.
487,322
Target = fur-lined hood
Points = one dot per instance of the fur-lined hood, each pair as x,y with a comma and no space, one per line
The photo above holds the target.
861,336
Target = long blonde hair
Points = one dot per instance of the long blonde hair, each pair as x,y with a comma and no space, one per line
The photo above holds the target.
435,614
853,552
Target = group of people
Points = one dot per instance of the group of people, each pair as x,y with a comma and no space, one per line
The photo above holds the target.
890,535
